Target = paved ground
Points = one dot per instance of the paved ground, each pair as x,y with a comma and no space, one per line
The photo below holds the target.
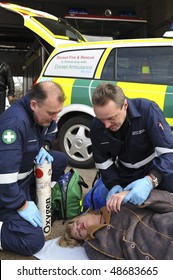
88,175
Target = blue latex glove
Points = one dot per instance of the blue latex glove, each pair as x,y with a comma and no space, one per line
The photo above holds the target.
31,214
42,155
139,191
115,189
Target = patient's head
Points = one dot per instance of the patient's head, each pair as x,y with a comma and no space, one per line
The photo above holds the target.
76,230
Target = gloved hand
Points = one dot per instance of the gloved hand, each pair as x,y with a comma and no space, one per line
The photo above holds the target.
31,214
42,155
139,191
115,189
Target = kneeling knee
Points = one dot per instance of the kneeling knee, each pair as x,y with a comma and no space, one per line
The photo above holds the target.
34,243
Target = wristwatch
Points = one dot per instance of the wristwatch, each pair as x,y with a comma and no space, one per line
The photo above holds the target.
154,180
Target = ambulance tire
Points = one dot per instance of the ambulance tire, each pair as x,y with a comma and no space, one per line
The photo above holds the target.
74,140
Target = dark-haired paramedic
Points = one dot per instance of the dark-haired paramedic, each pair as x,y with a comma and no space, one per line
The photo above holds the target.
132,145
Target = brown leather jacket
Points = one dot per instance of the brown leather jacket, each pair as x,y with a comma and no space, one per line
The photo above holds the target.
135,233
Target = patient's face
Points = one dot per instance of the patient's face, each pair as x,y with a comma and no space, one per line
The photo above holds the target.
81,225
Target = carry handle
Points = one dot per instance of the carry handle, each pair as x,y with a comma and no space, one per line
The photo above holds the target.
97,176
82,183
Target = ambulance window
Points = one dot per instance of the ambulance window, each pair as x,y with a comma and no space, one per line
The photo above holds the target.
60,28
108,72
74,63
145,64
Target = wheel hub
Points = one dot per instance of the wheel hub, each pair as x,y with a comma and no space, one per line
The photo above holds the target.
78,143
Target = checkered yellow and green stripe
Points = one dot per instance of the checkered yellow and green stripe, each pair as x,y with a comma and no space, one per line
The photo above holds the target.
79,91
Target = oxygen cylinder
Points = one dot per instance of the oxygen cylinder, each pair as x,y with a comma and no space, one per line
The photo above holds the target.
43,193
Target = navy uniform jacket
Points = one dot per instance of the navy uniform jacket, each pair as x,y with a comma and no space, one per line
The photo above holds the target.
144,143
20,141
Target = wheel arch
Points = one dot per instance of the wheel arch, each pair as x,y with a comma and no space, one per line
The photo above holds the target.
73,111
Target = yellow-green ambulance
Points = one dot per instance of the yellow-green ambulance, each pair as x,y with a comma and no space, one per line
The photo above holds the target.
142,67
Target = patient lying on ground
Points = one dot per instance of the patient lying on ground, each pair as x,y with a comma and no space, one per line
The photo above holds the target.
128,232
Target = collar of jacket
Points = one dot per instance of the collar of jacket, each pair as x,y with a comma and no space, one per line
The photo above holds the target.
25,102
131,109
106,216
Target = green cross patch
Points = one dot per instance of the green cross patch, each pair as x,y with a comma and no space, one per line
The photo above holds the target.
9,136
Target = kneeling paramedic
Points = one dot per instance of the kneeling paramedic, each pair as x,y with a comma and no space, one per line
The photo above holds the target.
132,145
27,131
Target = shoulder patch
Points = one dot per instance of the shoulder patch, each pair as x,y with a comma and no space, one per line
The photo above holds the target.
9,136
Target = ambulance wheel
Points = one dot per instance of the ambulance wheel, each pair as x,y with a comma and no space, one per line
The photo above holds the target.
74,140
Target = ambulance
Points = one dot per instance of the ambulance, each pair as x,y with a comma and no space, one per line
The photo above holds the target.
141,67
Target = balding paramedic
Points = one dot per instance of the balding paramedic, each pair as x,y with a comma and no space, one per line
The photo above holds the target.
27,131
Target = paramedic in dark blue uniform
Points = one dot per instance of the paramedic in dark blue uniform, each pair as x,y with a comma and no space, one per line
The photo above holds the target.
132,145
26,128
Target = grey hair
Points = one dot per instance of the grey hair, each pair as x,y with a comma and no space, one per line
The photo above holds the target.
106,92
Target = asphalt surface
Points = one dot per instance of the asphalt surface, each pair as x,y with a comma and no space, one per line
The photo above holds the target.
57,228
